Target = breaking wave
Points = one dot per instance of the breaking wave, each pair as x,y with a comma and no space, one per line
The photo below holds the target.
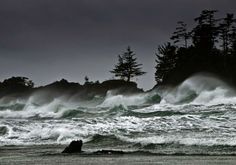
197,117
200,89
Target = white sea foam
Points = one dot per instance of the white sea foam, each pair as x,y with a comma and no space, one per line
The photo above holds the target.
206,119
178,140
203,89
116,100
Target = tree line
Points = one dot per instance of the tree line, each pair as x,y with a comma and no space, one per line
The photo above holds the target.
209,47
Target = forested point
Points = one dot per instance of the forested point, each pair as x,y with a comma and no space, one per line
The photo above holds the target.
209,47
23,88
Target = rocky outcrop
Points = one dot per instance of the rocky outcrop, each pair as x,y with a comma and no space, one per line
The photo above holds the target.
74,147
63,88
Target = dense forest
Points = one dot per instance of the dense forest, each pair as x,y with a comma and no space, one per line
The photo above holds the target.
209,47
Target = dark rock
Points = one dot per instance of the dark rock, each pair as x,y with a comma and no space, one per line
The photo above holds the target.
23,89
74,147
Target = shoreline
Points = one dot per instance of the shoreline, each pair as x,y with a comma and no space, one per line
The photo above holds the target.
56,150
51,155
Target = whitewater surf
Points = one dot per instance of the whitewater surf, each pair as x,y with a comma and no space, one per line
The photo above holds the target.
197,117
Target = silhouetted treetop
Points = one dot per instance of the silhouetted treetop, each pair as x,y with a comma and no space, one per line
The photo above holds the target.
205,33
226,32
18,81
166,61
181,34
213,50
127,66
207,17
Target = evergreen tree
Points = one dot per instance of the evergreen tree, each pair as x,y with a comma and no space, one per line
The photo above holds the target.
181,34
18,82
165,62
127,66
175,64
205,33
207,17
232,39
226,30
119,70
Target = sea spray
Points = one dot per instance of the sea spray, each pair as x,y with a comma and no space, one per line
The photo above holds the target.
138,99
197,117
200,89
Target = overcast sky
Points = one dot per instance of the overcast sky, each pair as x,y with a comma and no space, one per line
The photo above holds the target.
47,40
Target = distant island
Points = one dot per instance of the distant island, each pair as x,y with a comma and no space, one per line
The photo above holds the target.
23,88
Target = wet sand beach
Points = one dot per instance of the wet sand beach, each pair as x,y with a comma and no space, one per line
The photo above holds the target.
50,155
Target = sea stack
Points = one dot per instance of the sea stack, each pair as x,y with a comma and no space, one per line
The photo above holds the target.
74,147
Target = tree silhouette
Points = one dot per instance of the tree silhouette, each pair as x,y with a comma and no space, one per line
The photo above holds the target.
181,33
207,17
233,41
226,30
175,64
205,33
166,61
18,82
119,70
127,66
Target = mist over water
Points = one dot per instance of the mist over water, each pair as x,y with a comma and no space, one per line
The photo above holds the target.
196,117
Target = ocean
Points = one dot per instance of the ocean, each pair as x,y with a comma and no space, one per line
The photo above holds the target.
198,117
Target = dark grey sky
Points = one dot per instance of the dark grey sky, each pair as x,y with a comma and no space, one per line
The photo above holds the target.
47,40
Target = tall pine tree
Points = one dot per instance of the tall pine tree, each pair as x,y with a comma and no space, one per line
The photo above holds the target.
127,66
165,62
205,33
119,69
226,30
181,34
